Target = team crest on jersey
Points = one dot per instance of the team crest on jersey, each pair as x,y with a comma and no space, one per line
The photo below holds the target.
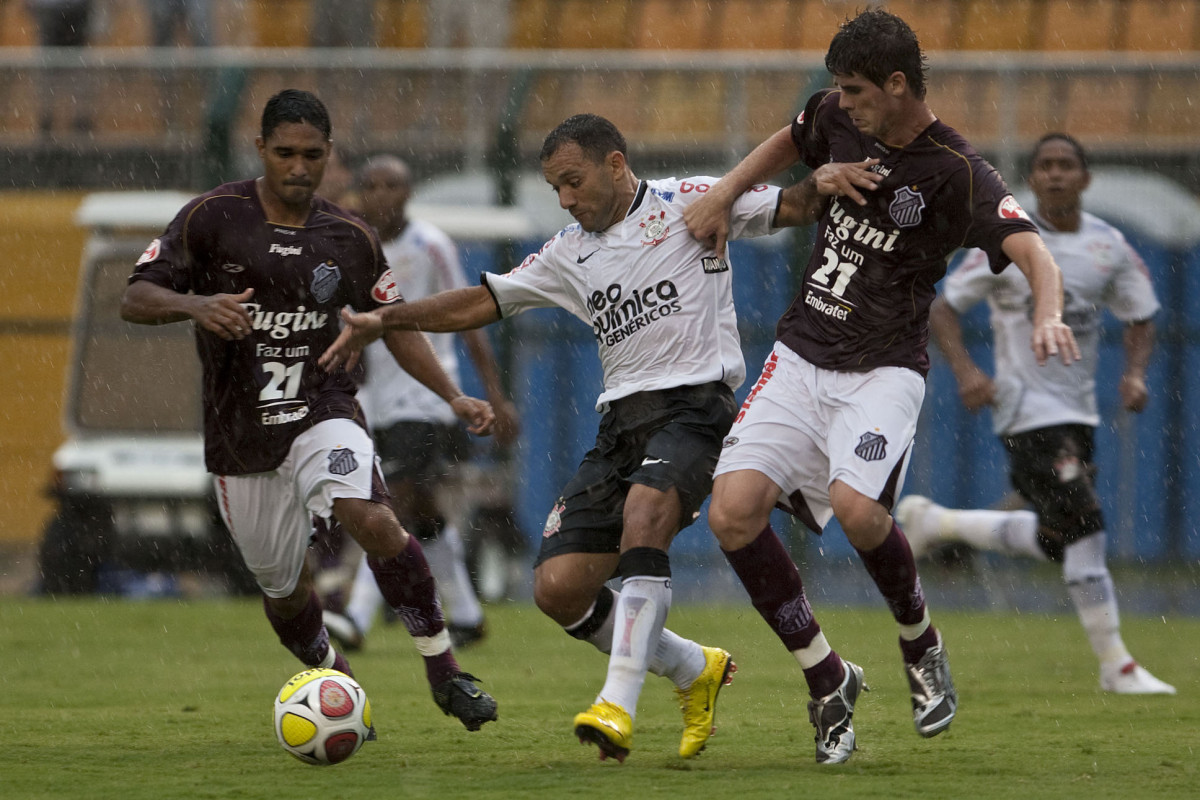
342,461
385,289
325,281
1011,209
871,447
655,229
554,521
151,252
906,207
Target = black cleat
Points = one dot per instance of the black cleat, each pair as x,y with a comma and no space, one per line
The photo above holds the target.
460,697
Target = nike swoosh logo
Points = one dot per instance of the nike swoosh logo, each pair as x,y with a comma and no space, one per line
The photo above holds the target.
581,259
652,461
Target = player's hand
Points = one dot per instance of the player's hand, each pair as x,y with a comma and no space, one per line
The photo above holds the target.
842,179
976,389
1134,394
1054,338
478,414
707,219
358,332
223,314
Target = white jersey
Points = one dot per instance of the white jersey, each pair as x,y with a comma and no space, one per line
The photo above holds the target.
424,261
659,303
1100,270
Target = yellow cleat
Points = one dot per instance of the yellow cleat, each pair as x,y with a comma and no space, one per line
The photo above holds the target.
698,702
609,727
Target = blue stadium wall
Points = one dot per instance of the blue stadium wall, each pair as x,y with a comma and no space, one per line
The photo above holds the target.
1148,475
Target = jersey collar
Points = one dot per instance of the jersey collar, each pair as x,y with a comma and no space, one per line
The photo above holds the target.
638,196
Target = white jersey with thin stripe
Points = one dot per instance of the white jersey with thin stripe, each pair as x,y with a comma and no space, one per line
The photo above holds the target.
1100,270
659,303
424,261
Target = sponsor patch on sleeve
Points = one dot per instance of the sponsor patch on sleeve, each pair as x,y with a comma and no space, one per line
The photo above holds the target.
385,290
713,264
1011,209
151,252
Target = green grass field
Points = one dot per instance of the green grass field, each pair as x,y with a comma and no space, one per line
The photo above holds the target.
168,699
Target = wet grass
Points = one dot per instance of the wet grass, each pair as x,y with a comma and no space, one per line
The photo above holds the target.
165,699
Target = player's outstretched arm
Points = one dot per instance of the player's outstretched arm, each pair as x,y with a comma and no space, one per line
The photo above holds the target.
453,310
146,303
975,387
707,219
1051,336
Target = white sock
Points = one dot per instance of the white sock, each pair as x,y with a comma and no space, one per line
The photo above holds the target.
1091,588
675,657
365,597
447,562
638,620
1012,533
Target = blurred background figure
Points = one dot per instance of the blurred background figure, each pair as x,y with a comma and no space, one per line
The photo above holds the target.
1046,415
420,446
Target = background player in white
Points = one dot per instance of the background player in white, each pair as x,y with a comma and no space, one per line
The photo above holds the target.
1046,416
262,267
828,428
416,434
661,309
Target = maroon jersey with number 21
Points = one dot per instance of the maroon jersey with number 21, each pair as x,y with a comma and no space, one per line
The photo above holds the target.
864,302
266,389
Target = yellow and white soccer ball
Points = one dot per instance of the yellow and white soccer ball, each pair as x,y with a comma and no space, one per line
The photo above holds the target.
322,716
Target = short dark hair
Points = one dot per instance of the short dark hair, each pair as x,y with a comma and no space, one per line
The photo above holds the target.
1058,136
596,137
295,105
875,44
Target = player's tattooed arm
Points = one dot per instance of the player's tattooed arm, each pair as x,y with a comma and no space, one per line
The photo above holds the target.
848,179
707,219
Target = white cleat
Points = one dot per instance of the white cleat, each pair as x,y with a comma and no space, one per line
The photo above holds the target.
911,514
1131,678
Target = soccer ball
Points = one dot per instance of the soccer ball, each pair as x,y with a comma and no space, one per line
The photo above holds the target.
322,716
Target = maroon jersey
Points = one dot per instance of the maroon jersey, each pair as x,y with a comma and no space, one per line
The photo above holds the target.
261,392
865,298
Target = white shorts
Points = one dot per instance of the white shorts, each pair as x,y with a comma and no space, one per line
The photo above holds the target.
805,427
269,514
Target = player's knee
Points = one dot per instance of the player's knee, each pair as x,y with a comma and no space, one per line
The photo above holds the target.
1067,531
559,600
865,521
732,525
